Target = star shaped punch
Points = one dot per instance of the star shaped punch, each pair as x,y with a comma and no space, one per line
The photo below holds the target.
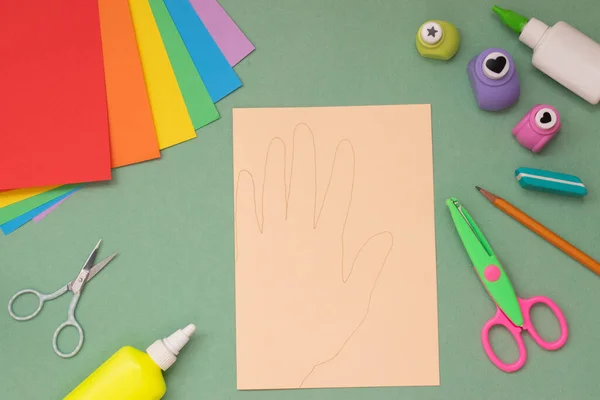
430,33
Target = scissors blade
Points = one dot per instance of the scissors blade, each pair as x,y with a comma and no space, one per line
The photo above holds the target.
473,239
488,267
92,257
78,283
95,269
98,267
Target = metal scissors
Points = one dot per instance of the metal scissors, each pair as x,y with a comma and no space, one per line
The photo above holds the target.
88,271
512,312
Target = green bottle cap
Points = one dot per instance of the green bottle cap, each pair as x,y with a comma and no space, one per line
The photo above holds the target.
514,21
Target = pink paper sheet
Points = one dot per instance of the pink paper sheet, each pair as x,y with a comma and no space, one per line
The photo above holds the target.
229,37
43,214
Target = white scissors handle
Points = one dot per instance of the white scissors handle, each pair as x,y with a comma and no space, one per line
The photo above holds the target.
88,271
71,321
42,298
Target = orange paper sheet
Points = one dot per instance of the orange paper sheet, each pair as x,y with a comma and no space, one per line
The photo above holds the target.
132,134
335,273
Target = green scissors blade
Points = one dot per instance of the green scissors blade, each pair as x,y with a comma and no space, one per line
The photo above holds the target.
486,263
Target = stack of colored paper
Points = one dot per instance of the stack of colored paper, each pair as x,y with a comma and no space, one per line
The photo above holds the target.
88,86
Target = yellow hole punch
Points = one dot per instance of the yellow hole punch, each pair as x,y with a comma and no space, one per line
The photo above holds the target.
438,40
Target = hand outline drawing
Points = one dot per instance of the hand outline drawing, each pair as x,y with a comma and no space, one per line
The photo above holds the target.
313,286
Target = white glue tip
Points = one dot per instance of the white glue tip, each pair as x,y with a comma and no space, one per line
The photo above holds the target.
164,352
189,330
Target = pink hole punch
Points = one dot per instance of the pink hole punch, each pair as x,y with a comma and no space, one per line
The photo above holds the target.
537,127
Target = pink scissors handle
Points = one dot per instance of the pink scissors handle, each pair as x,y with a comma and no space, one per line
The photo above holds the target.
526,305
501,320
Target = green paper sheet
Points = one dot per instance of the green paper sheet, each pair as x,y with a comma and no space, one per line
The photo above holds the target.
14,210
199,104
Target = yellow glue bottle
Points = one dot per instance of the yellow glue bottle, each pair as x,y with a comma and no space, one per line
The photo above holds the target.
131,374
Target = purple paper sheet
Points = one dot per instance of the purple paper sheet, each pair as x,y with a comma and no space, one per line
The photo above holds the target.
232,42
43,214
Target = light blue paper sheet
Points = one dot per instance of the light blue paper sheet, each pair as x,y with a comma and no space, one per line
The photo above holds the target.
214,69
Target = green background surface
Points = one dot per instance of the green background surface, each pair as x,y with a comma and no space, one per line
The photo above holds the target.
171,219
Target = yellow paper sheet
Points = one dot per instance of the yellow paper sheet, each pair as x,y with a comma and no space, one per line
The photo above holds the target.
171,118
14,196
335,274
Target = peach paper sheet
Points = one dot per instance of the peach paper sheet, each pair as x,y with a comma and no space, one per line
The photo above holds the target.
335,274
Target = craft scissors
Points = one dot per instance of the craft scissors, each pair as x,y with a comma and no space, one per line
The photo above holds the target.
88,271
512,312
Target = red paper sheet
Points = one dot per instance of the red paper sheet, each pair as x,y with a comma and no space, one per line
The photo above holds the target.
53,112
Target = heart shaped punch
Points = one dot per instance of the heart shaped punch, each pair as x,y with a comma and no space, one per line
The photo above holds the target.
546,117
496,64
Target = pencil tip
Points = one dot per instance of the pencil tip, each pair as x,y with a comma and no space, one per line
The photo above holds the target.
487,195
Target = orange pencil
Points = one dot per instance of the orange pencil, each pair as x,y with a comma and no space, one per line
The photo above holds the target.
542,231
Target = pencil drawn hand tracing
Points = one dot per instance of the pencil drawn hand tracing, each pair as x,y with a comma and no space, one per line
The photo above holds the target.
318,295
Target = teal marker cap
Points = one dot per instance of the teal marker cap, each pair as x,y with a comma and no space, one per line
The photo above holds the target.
514,21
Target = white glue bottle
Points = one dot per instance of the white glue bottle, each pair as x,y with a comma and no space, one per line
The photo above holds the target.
562,52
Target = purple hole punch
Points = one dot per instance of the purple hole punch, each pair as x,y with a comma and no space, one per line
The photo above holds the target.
494,79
